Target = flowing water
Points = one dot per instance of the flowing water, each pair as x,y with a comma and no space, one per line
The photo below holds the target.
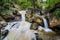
45,28
46,25
20,30
23,15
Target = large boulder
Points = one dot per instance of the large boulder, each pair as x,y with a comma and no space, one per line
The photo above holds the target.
54,23
55,26
3,24
34,26
39,21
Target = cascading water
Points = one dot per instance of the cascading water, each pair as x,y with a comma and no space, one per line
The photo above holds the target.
23,15
45,21
25,27
46,25
45,28
20,30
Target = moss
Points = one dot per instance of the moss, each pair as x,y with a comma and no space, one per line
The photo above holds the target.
1,18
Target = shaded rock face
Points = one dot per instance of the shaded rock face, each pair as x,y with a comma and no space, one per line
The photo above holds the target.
8,18
15,16
56,29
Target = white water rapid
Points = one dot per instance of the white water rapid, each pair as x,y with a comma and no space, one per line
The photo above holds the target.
20,30
45,28
46,25
22,14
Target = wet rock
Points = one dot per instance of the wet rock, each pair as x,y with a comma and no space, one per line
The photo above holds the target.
17,15
37,36
29,17
39,21
54,23
3,24
56,29
17,18
34,26
4,33
8,18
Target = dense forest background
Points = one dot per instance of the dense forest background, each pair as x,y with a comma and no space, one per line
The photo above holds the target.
6,6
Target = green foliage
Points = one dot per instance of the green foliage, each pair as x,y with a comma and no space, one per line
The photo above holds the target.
28,3
5,6
56,13
25,4
51,3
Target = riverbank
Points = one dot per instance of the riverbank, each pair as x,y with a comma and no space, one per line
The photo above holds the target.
48,35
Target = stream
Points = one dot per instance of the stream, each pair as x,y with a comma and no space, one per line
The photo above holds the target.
20,30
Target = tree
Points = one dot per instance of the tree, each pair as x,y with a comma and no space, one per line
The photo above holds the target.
5,6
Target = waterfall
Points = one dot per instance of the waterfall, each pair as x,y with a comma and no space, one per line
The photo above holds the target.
45,28
22,15
21,33
20,30
46,25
